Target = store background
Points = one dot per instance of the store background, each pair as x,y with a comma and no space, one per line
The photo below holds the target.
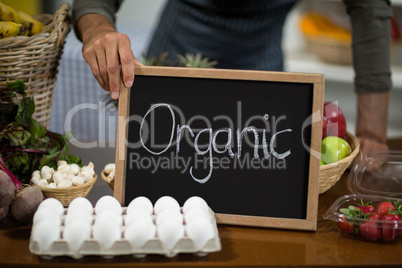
76,86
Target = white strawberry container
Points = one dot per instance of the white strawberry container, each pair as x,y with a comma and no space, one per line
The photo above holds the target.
376,179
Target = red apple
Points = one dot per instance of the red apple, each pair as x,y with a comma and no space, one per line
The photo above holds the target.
324,127
335,122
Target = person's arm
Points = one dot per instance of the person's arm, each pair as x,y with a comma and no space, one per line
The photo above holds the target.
104,49
371,35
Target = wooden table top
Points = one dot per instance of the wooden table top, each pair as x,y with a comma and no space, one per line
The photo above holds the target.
241,246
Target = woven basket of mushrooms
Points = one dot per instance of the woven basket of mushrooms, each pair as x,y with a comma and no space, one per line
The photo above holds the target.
108,174
65,183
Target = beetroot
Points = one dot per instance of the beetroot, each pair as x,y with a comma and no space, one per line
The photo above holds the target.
7,190
3,213
25,203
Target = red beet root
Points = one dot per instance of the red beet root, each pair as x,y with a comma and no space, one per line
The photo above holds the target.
25,203
7,190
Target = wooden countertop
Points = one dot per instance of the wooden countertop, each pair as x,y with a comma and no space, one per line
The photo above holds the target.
241,246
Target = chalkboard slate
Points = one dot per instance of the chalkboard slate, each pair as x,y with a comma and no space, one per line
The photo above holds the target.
239,139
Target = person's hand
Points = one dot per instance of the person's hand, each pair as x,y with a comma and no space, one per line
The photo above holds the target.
369,145
105,50
371,127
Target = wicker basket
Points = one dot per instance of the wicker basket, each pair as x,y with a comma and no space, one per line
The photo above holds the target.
330,50
104,177
34,60
331,173
66,195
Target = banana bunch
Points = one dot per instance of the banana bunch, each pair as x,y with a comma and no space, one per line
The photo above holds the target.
319,26
17,23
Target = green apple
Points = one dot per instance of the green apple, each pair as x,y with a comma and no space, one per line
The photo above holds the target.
321,163
334,149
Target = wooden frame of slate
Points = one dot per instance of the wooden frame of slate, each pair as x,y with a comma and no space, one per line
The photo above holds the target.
248,142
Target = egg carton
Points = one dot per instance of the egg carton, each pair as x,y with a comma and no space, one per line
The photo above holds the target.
91,246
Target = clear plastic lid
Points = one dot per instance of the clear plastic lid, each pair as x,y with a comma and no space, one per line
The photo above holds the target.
378,173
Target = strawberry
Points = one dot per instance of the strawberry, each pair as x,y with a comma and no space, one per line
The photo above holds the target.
344,225
390,226
375,216
399,231
370,230
366,208
385,207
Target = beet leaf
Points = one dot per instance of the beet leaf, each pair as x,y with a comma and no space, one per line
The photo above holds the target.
26,145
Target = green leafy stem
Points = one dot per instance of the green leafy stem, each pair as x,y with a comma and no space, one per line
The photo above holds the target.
26,145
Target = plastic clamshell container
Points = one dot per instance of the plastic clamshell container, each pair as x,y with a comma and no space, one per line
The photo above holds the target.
377,178
122,246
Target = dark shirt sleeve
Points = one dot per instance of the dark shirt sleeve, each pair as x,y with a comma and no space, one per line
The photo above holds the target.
371,35
107,8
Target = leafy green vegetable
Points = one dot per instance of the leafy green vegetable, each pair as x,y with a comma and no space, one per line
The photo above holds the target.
26,145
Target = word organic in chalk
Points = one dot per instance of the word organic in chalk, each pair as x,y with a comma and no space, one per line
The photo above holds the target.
228,135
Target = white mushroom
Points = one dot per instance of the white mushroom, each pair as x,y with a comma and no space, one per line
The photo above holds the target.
110,177
61,163
36,174
109,168
86,175
59,176
42,183
88,170
46,172
91,165
74,169
64,169
78,180
65,184
35,180
51,185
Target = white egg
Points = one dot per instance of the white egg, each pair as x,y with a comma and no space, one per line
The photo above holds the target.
45,213
200,231
170,232
107,232
112,214
135,214
81,202
54,204
169,214
165,202
108,201
139,232
143,202
195,201
76,232
45,232
78,213
196,212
